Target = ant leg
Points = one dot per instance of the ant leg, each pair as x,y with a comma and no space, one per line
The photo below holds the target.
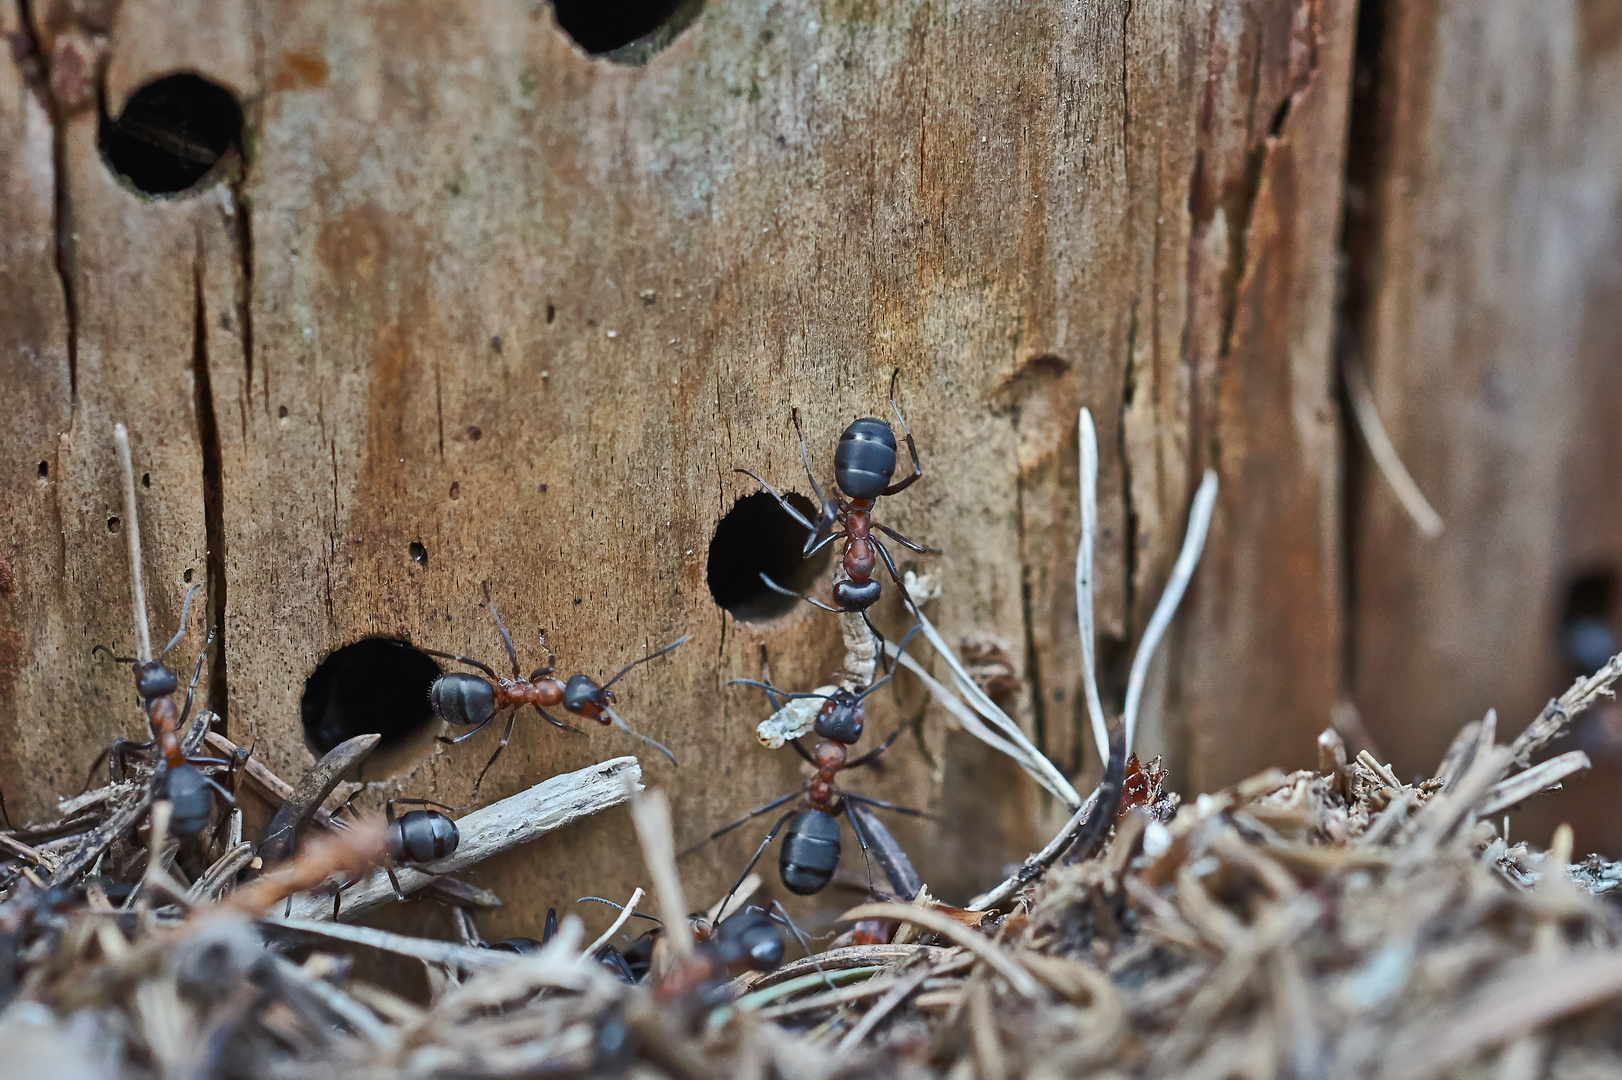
890,671
94,649
884,657
506,638
399,894
512,721
863,800
761,850
813,601
788,507
910,545
847,806
799,748
873,755
555,722
895,575
230,799
4,814
549,929
805,459
751,815
389,806
196,674
469,661
468,734
912,447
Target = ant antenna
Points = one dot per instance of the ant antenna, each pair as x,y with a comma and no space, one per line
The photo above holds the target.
184,608
651,656
506,638
770,689
623,726
143,639
115,659
617,907
893,377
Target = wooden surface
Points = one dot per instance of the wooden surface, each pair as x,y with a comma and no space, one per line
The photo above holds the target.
1487,287
478,291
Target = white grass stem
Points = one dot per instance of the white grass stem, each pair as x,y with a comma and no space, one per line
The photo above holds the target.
1199,523
132,532
1088,436
1367,417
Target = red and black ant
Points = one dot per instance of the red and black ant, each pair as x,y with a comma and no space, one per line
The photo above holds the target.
810,850
465,700
864,464
177,776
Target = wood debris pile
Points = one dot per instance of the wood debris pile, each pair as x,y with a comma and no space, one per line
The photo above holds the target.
1332,922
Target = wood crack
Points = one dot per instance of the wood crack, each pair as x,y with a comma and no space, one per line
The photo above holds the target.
62,202
208,437
1033,658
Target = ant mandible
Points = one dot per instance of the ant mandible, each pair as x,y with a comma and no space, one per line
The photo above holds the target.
465,700
177,775
810,850
864,464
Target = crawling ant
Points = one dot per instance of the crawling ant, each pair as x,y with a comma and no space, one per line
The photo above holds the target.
864,464
176,775
465,700
747,940
810,850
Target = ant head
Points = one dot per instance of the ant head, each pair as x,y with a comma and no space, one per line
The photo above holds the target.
864,460
153,680
583,697
840,719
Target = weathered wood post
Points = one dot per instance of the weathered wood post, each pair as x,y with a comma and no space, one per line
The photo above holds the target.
467,305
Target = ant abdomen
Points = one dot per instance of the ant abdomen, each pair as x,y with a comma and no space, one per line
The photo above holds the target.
421,836
856,596
810,852
864,460
462,699
193,802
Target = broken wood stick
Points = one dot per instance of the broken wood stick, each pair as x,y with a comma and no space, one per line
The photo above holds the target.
531,813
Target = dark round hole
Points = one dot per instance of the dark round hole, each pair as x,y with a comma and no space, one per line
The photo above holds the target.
44,471
171,134
112,524
376,685
757,537
1588,631
419,554
627,32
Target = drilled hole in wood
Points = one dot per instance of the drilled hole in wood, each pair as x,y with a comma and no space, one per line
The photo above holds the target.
171,134
419,554
757,537
1588,635
626,32
146,480
376,685
44,471
112,524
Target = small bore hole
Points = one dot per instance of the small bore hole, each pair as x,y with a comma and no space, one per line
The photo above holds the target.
44,471
171,134
628,32
456,490
186,577
757,537
281,413
551,313
419,554
474,432
376,685
1588,632
146,479
495,342
112,524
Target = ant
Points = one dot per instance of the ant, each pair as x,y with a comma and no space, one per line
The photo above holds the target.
465,700
810,850
864,464
746,940
176,775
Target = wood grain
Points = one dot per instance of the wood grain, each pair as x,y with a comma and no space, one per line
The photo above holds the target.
528,309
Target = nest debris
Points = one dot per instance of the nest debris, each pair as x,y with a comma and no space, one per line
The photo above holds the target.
1332,922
